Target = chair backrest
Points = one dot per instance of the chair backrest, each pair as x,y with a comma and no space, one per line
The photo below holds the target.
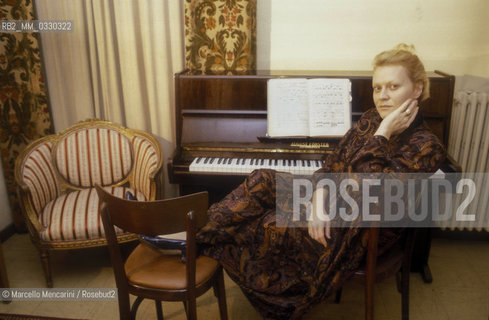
94,155
154,217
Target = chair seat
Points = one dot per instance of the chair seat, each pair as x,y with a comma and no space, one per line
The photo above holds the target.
75,216
142,263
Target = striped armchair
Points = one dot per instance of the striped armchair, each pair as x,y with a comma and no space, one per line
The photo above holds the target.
56,176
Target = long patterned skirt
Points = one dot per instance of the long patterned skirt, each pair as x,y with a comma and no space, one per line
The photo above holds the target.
281,270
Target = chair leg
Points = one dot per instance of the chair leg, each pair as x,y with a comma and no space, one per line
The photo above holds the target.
46,267
337,298
192,309
220,293
185,307
369,301
405,294
406,269
159,310
399,281
370,273
135,306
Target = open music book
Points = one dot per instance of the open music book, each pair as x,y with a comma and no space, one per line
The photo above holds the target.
308,107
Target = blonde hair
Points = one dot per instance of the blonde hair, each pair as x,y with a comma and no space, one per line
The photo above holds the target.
405,55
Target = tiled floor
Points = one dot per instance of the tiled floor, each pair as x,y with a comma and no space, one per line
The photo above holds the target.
460,289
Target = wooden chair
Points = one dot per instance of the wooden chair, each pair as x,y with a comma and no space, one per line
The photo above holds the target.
154,274
56,176
395,261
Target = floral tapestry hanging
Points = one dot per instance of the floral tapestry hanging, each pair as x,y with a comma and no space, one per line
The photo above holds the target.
220,36
24,113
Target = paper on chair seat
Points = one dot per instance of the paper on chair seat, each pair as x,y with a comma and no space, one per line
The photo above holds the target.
174,236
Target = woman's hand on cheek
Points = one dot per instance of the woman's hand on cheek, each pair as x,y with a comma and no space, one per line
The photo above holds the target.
398,120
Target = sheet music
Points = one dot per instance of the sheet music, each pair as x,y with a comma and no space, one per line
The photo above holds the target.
329,107
287,107
308,107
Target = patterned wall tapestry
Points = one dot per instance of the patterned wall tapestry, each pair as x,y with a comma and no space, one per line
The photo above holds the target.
220,36
24,113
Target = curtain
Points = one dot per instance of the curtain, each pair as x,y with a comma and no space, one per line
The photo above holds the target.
24,113
117,64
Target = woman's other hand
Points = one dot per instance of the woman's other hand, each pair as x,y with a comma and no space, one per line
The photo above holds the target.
398,120
318,227
319,231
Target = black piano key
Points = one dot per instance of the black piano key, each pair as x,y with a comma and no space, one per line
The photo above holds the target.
220,160
206,161
199,159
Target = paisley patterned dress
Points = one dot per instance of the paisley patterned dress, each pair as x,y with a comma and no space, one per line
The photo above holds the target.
283,271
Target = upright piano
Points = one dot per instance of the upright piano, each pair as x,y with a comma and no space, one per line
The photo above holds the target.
221,123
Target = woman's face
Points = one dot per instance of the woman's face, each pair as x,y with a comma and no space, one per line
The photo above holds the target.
391,87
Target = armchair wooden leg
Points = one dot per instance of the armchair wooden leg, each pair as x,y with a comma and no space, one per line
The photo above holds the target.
46,267
220,293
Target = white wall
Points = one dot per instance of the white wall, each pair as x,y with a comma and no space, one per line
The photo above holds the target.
450,35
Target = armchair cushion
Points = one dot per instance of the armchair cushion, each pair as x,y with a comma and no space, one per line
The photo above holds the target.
75,216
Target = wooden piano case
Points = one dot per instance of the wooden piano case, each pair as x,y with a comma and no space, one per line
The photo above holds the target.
223,115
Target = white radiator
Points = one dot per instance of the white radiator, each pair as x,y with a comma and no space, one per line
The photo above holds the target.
469,145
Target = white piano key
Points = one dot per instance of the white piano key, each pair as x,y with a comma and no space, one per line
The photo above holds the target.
233,166
197,164
247,166
228,165
208,165
194,164
219,164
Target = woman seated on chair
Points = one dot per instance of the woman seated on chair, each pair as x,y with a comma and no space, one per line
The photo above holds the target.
283,271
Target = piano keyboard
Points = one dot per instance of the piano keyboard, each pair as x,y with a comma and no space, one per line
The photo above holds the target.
242,165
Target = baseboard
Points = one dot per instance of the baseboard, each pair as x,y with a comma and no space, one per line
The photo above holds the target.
7,232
